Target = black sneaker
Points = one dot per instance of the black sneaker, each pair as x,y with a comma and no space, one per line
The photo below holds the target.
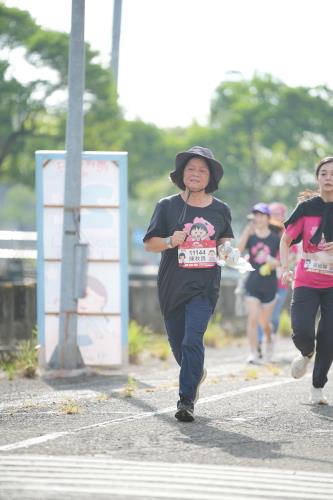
185,410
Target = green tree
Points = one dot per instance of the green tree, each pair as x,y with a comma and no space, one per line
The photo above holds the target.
18,210
32,109
150,155
269,135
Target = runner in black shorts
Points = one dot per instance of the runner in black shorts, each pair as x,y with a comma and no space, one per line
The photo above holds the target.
265,297
261,284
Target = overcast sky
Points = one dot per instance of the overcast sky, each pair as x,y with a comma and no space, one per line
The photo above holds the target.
174,53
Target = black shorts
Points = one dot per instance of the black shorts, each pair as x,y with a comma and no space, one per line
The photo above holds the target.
265,297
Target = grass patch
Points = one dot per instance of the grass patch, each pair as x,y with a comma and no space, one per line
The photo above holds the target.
251,374
7,365
24,361
215,336
285,324
103,397
274,370
214,380
159,347
141,339
70,408
137,341
129,388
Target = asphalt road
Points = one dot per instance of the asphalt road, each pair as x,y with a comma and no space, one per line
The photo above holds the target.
255,434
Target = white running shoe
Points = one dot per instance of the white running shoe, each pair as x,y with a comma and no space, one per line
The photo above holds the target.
299,366
203,376
317,397
253,359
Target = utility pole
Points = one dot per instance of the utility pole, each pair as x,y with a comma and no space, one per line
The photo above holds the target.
115,39
67,354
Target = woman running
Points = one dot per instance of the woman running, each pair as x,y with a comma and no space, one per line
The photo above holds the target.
187,228
261,285
312,224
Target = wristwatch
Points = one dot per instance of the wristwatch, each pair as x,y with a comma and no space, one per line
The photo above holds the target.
168,242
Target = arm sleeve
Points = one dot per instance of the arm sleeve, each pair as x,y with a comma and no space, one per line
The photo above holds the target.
157,226
295,230
298,212
228,232
294,225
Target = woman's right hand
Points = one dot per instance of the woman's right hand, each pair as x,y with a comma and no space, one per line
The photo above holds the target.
178,238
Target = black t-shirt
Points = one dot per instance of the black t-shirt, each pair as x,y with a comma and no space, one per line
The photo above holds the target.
260,249
177,285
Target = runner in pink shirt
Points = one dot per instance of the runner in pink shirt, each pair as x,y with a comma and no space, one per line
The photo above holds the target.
312,224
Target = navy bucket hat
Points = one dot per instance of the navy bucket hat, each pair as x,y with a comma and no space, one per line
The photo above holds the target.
215,167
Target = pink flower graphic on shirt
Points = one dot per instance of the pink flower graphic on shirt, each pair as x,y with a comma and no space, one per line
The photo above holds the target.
199,230
260,252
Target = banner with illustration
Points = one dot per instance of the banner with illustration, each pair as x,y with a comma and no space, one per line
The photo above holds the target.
103,312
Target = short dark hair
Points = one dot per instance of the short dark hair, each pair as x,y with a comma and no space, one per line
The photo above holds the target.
178,177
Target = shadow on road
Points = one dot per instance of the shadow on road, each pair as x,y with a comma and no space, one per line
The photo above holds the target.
323,411
204,433
207,433
106,383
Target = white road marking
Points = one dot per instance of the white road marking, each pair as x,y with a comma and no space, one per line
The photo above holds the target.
45,474
27,443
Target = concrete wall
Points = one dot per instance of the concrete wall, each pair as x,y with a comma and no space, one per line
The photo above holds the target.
144,306
18,309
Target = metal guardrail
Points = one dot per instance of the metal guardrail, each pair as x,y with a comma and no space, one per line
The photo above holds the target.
7,253
16,247
18,235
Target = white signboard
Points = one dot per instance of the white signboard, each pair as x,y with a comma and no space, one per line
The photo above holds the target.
103,312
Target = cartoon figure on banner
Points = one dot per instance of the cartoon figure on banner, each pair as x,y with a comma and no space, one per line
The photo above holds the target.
96,296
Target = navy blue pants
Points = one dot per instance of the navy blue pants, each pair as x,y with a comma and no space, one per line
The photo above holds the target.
185,328
304,307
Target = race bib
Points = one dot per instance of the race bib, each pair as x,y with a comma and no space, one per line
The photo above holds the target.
318,267
197,254
319,262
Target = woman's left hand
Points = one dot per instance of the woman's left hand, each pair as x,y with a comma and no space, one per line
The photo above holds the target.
287,277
